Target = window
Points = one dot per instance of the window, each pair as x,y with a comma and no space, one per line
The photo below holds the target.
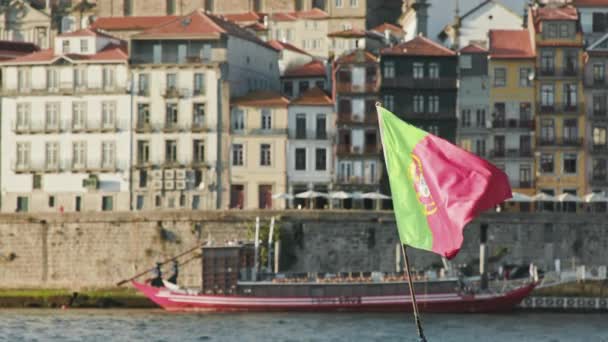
198,115
51,201
433,70
600,22
265,159
480,147
599,105
418,103
547,62
143,115
143,178
238,119
198,151
546,163
525,112
23,79
354,3
79,115
171,82
170,151
500,77
599,168
465,120
171,115
481,118
108,154
433,104
22,204
266,119
551,30
570,93
143,84
196,201
321,127
52,116
525,77
320,84
143,151
107,203
339,3
300,159
127,8
418,70
65,46
547,95
303,86
547,130
570,130
199,84
237,155
37,182
525,176
571,62
140,202
320,159
170,7
51,155
389,69
51,79
288,88
23,115
84,45
433,129
79,154
108,78
300,126
23,155
389,102
158,201
108,114
466,62
570,162
599,136
80,78
599,73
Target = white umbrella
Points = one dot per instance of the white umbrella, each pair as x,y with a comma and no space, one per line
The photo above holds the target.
375,196
339,195
282,196
543,197
311,194
566,197
357,195
518,197
595,197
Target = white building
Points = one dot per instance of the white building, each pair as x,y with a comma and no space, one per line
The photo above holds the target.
185,72
594,19
65,127
297,80
290,56
311,132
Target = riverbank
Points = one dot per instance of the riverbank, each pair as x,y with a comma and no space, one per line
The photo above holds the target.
125,297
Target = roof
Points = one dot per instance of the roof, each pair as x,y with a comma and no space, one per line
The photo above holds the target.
590,3
86,32
257,27
280,46
130,23
596,45
556,13
311,69
397,30
10,48
483,4
419,46
354,33
314,13
199,24
112,52
511,44
357,56
262,98
240,17
473,48
313,97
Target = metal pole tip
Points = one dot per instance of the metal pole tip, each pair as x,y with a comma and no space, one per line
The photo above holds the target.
378,104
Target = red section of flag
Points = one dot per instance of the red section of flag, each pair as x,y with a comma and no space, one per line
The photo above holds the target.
462,185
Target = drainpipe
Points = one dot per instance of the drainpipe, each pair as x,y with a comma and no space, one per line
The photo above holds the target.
218,166
132,86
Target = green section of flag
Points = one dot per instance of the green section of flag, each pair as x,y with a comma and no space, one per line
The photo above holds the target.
399,140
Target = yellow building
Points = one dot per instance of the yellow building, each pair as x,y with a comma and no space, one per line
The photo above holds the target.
560,112
258,126
511,139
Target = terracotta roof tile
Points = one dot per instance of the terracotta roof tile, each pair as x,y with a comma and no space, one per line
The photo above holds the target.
310,69
556,13
286,46
388,26
590,3
130,23
112,52
283,16
262,98
240,17
473,48
354,33
511,44
313,97
357,56
86,32
419,46
257,27
314,13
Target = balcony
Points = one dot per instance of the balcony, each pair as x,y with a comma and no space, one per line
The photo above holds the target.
524,184
345,150
598,179
38,166
310,135
172,127
559,108
352,119
347,87
143,92
593,84
144,127
172,92
598,148
565,142
94,166
420,83
559,72
37,127
513,124
511,153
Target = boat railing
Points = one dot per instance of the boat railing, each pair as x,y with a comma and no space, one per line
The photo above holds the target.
341,277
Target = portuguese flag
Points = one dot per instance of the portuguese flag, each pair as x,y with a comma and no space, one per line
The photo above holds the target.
437,187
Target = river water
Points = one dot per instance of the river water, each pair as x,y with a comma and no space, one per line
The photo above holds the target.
157,325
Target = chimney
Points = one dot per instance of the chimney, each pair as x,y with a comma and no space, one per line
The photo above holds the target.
265,21
422,17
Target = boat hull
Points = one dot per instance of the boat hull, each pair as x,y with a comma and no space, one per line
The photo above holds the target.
438,302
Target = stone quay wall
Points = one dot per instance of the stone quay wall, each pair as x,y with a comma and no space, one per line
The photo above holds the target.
96,250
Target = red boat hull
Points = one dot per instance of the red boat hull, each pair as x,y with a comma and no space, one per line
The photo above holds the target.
439,302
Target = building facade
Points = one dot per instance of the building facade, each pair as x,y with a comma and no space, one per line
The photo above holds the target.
299,79
473,100
512,94
65,127
358,148
21,22
258,152
419,84
185,72
310,161
594,19
560,120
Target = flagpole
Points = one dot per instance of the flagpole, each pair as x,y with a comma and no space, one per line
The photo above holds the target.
413,295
